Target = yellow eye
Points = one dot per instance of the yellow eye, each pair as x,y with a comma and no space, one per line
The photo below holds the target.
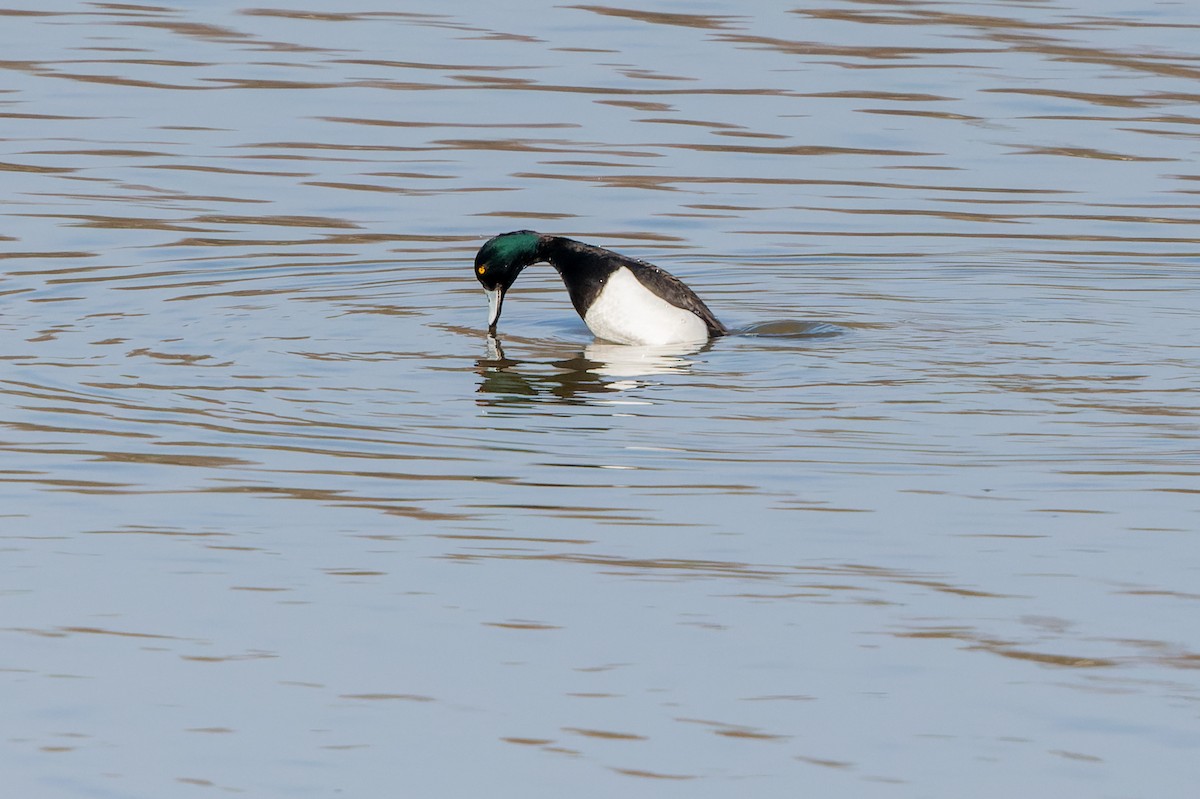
479,270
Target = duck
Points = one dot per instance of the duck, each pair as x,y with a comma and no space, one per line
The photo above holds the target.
621,299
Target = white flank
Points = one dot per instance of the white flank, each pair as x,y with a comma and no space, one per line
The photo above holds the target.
629,313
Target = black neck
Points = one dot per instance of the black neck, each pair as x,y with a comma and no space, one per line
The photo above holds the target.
583,268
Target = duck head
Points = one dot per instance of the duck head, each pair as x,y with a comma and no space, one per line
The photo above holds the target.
498,263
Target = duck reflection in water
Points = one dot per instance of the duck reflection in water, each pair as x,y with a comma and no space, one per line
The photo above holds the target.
600,368
603,367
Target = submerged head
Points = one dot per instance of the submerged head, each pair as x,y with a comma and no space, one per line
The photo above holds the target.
498,263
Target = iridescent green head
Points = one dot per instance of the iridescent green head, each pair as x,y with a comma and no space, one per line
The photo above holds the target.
498,263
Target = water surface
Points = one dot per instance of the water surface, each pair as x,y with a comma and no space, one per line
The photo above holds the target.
278,518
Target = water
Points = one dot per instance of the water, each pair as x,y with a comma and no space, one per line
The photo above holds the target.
279,519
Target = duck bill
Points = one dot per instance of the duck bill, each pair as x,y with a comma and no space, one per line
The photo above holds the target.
495,301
